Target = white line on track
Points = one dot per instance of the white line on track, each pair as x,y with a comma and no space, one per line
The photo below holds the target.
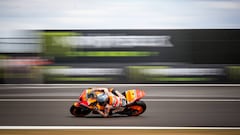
44,87
192,100
115,127
148,100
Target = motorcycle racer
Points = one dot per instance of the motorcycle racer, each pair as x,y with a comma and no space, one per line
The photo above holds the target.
107,102
109,98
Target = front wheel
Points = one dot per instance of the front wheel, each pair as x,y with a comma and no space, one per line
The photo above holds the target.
79,111
137,108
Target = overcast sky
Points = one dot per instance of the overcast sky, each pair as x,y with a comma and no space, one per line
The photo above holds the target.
119,14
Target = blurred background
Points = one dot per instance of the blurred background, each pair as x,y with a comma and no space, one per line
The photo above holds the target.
119,42
126,44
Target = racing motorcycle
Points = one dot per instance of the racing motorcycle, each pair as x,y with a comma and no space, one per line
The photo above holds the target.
134,106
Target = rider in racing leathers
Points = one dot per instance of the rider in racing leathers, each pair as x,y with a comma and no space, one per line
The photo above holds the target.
110,99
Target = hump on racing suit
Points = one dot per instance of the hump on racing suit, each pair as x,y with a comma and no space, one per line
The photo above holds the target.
116,101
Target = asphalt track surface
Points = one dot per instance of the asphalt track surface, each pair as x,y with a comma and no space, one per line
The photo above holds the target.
166,107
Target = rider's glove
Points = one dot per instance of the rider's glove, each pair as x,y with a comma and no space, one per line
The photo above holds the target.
124,101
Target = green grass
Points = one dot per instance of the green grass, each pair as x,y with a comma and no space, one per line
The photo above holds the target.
183,79
111,53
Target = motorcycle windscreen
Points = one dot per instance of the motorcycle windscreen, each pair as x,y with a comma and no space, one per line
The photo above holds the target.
134,95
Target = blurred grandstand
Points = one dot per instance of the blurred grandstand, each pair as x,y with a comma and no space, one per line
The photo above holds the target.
121,56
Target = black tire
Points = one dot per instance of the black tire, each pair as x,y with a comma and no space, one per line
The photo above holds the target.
135,112
79,111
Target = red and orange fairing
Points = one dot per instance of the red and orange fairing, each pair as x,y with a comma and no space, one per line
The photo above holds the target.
134,95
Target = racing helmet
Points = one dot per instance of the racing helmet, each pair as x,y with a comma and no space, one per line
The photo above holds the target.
102,98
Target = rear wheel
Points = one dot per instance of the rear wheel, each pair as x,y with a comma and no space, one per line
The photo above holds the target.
79,111
137,108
